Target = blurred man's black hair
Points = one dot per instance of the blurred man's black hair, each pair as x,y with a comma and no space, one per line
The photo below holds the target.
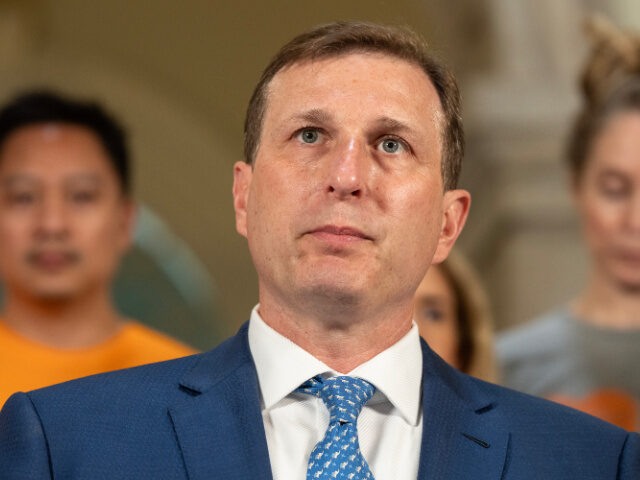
41,106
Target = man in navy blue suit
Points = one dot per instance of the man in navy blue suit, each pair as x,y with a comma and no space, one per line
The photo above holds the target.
353,144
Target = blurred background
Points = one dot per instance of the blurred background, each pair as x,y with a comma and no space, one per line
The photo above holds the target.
179,76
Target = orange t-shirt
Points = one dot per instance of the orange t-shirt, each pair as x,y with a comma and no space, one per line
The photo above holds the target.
26,365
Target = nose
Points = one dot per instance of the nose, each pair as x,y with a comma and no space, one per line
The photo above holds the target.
52,222
348,170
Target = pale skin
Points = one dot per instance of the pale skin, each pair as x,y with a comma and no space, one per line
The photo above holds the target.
64,224
607,195
344,208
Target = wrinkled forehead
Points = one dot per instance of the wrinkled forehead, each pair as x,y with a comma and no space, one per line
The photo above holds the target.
381,77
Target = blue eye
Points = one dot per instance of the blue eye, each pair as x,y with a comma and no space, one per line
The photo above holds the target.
309,135
391,145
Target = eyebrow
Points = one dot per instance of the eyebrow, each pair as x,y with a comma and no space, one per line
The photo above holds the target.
320,116
83,177
17,179
392,125
23,178
612,172
431,299
314,116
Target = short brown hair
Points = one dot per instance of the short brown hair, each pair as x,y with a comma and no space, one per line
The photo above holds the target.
336,39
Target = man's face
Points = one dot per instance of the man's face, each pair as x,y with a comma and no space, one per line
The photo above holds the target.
64,222
345,199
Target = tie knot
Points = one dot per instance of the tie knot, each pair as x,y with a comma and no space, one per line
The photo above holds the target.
344,396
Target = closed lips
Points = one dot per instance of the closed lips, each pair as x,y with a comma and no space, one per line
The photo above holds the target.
345,231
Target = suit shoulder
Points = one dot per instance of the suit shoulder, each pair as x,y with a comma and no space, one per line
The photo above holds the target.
153,383
141,380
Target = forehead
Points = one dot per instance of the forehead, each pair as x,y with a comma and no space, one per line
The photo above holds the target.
378,84
51,150
435,283
617,146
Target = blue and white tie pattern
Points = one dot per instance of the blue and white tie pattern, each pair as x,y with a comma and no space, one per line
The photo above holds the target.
337,456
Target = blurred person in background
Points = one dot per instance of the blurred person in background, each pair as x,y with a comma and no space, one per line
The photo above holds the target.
452,313
586,354
66,219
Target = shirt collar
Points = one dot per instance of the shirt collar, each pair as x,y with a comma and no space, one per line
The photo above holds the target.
282,366
397,373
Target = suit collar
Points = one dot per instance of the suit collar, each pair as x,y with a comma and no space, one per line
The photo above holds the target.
219,424
215,365
220,430
462,436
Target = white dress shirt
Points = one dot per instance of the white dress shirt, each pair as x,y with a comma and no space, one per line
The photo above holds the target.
389,426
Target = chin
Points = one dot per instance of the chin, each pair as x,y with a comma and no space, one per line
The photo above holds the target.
333,294
325,290
54,296
333,281
53,293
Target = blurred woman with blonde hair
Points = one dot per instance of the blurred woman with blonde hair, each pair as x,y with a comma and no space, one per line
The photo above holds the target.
452,314
586,353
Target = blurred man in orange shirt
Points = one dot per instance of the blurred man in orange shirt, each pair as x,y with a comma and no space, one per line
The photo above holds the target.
66,219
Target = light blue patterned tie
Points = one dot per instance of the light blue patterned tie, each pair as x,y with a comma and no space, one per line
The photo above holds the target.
337,455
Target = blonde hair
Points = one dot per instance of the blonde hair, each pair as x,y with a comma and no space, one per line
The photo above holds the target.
475,324
610,84
614,57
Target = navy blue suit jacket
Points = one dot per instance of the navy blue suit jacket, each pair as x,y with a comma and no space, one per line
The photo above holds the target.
199,418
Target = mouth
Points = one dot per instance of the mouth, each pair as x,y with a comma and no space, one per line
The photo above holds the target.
336,233
52,260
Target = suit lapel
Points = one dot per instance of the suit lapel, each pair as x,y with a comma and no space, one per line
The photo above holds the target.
219,423
220,430
461,436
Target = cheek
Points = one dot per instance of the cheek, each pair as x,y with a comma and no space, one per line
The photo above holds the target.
15,242
101,233
418,218
15,234
601,222
278,196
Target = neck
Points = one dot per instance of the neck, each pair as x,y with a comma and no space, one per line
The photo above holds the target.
66,323
608,305
342,337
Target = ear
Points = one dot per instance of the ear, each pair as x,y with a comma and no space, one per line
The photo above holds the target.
129,215
242,175
456,205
